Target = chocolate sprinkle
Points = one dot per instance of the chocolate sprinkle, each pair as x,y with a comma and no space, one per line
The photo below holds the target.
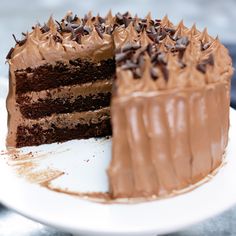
121,57
19,42
203,65
154,74
57,39
205,46
15,38
129,65
99,32
45,28
129,46
59,25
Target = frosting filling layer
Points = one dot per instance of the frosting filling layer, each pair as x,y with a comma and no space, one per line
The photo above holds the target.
67,92
50,76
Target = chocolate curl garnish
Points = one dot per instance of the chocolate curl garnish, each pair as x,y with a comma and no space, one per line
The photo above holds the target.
149,49
99,32
121,56
205,40
101,20
154,74
9,54
19,42
57,39
129,65
119,18
181,45
69,16
124,19
202,66
205,46
44,29
59,26
130,46
160,60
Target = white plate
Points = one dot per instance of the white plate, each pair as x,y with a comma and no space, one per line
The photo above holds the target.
84,163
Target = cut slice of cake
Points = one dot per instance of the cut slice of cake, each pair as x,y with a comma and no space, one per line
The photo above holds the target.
60,82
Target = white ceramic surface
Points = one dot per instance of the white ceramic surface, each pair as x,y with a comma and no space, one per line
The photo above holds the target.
84,163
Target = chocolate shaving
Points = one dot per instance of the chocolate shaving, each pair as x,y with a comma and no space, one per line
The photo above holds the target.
182,42
45,28
159,58
149,49
137,73
101,20
74,26
202,66
67,28
57,39
138,28
59,25
19,42
79,29
163,34
14,37
99,32
109,30
119,19
9,53
154,74
127,21
154,37
22,42
126,14
77,38
181,45
151,22
121,57
171,31
205,46
69,18
75,18
129,65
129,46
165,72
86,30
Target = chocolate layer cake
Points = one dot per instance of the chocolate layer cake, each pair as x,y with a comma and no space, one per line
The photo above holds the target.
170,96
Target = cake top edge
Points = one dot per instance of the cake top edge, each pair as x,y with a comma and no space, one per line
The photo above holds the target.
150,53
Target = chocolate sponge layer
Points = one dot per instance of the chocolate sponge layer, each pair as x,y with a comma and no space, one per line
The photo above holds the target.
52,76
36,135
49,106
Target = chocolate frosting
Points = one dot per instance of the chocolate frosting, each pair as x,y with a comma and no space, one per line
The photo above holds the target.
49,44
170,110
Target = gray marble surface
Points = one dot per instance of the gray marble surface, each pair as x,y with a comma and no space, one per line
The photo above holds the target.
18,16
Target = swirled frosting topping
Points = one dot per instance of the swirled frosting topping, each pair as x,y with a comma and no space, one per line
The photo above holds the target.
170,56
164,56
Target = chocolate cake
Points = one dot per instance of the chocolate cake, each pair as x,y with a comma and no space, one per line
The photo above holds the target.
170,90
60,82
